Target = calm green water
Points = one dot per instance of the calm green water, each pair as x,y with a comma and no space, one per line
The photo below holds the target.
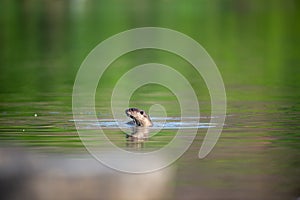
254,43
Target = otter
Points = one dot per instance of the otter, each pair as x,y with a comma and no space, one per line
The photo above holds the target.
140,117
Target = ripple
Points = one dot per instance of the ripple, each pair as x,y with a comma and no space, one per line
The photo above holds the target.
158,123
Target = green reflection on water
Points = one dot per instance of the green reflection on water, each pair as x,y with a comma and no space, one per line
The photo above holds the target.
43,44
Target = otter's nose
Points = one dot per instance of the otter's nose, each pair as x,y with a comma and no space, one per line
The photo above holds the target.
127,112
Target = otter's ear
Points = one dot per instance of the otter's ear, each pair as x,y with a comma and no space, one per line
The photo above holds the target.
142,112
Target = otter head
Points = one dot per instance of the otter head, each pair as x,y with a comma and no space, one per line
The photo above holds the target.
140,117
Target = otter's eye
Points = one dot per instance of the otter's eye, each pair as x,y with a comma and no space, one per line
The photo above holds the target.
142,112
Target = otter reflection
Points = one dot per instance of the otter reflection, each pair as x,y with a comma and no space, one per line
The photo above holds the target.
137,137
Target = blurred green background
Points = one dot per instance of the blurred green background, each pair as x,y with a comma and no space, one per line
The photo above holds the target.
254,43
